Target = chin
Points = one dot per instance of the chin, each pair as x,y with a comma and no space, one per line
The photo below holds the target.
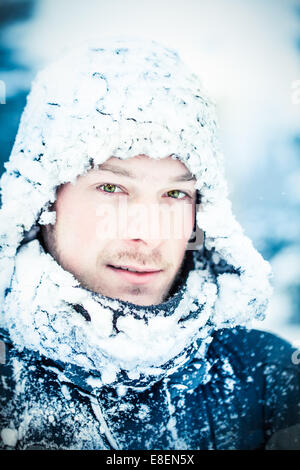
139,299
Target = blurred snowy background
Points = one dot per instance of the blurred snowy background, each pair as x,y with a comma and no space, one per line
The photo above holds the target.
247,53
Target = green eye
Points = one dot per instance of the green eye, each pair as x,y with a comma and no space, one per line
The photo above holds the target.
176,194
108,188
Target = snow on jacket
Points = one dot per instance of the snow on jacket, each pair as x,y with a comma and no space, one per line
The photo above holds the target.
187,373
248,393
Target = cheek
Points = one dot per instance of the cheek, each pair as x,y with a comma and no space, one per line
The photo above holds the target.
76,223
182,229
182,223
176,250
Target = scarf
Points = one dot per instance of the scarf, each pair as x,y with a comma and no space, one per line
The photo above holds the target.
114,342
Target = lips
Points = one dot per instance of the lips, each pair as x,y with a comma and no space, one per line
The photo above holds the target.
134,274
134,269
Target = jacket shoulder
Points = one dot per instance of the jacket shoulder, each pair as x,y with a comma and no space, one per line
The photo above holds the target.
256,346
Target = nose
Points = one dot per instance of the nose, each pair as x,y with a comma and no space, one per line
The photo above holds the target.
139,243
141,225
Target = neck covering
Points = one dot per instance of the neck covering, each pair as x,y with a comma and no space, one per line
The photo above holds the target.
120,96
116,341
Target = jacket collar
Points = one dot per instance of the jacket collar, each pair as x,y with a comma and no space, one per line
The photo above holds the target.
114,342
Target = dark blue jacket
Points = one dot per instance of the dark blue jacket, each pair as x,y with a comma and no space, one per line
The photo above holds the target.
250,399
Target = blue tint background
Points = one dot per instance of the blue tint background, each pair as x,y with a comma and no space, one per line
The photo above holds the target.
248,55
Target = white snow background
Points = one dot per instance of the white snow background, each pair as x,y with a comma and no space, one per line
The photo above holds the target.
246,54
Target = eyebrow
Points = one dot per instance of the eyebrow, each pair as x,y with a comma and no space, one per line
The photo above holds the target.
122,172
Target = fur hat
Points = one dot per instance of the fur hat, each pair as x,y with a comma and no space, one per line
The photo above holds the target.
125,96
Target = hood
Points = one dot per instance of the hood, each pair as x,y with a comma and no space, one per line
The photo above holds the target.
120,96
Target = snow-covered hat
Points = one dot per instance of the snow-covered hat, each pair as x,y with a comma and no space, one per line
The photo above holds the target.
122,97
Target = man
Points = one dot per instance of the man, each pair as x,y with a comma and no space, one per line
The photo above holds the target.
128,287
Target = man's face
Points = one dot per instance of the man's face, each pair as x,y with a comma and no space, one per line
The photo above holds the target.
135,214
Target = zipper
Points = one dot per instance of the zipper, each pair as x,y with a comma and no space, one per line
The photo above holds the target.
103,425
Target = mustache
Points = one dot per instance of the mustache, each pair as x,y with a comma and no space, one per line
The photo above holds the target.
124,257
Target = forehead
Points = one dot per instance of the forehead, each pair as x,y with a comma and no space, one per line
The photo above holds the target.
142,167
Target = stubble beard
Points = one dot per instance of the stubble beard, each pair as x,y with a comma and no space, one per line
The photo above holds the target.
48,240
